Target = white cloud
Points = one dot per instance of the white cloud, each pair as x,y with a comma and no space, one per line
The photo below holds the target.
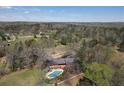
51,11
26,12
6,7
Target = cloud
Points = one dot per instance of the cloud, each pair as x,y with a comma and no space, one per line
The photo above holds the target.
26,12
51,11
6,7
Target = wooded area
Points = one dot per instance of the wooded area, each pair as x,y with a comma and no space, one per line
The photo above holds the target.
98,48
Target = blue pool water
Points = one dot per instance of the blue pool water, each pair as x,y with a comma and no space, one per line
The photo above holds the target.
55,74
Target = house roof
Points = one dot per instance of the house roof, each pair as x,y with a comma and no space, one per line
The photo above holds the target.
62,61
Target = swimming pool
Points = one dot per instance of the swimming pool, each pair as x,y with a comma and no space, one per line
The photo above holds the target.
54,73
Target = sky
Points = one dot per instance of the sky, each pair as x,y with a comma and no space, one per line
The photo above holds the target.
62,13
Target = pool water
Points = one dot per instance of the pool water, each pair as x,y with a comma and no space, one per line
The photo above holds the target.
55,74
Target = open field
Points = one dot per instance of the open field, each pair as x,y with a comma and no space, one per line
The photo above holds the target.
23,77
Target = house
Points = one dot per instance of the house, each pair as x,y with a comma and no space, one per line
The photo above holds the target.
61,61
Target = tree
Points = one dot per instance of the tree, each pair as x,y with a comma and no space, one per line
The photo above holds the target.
35,36
121,46
100,73
2,35
81,56
118,77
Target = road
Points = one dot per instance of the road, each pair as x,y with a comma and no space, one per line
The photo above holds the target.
70,78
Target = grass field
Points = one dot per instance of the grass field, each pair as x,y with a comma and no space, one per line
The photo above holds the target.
24,77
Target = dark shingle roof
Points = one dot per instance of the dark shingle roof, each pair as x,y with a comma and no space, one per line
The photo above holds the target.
61,61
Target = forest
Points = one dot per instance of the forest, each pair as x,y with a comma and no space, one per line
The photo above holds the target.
98,50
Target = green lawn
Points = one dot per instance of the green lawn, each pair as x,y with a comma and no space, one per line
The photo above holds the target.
24,77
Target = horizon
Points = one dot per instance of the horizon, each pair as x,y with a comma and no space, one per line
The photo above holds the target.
62,14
